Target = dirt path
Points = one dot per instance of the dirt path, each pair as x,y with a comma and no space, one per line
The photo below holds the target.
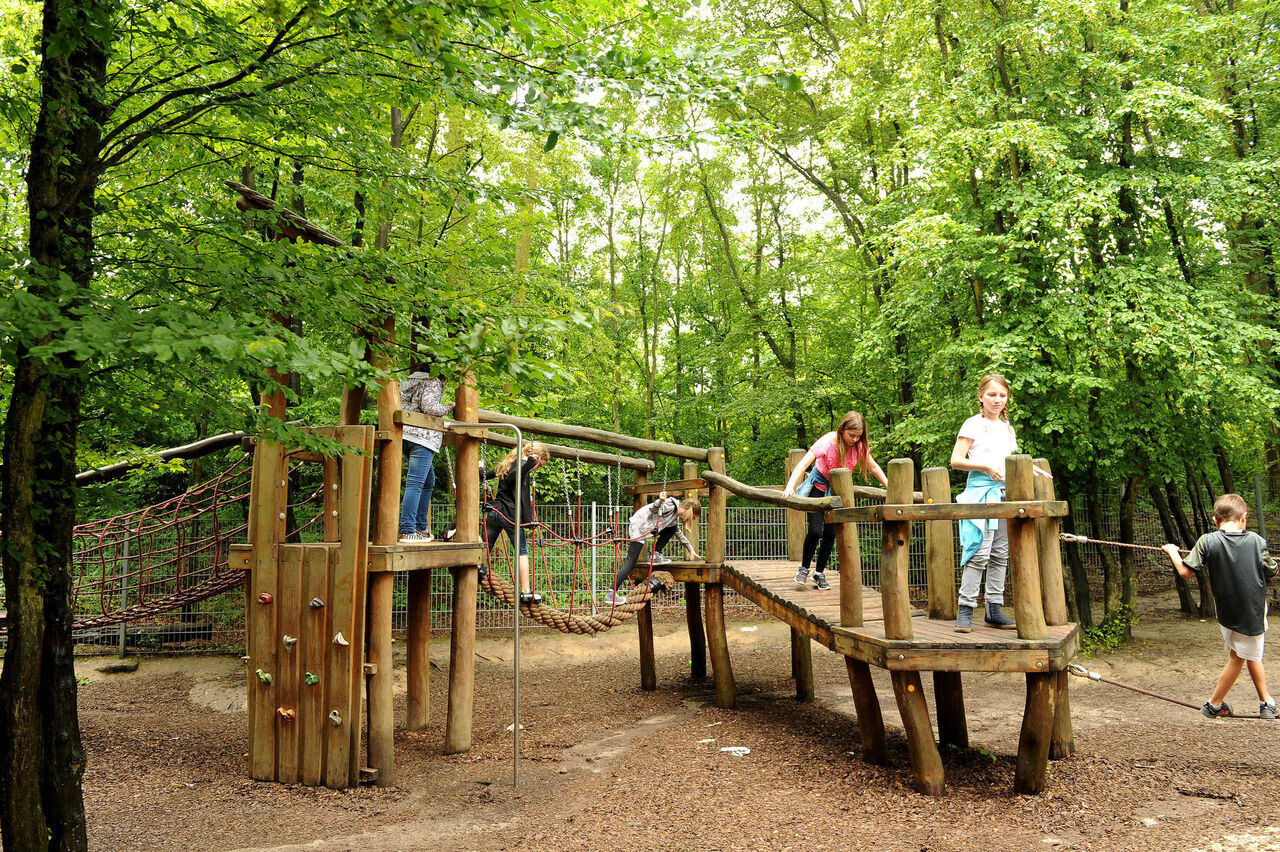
607,764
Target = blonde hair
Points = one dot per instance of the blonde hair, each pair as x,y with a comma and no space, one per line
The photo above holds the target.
994,378
1229,507
533,449
692,505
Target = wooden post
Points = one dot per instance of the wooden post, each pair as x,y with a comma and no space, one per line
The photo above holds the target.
802,665
939,546
268,496
330,499
1053,591
1037,727
1024,562
693,594
875,748
418,651
948,699
895,553
644,617
386,526
795,518
462,639
926,763
1052,585
717,530
940,556
289,605
313,643
848,553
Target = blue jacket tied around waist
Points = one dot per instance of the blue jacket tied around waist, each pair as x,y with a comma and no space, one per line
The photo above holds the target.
978,488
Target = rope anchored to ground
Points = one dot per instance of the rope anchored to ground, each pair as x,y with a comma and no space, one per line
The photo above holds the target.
1080,671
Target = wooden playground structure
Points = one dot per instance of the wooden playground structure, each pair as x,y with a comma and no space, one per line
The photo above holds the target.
318,652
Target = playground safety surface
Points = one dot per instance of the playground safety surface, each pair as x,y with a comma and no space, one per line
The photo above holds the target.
608,765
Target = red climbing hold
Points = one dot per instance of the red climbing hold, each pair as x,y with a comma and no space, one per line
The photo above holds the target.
264,598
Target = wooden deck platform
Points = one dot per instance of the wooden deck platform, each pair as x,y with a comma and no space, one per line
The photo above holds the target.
935,646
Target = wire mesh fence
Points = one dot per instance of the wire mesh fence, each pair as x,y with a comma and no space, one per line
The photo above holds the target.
157,555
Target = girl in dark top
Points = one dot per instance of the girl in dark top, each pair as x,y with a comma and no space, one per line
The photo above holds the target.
502,509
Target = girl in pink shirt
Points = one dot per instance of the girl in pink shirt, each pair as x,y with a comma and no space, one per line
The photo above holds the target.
845,447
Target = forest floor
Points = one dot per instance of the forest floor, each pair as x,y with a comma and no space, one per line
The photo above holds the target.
606,764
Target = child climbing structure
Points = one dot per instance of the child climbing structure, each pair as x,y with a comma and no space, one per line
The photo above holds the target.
319,619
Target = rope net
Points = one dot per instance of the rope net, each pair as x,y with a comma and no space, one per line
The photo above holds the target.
166,556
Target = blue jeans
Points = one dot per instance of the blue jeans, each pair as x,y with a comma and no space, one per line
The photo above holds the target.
419,482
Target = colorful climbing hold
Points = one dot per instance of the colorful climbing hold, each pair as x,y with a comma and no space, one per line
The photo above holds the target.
288,714
264,598
312,679
263,677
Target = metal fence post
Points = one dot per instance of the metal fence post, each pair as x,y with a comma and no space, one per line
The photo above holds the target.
124,596
593,558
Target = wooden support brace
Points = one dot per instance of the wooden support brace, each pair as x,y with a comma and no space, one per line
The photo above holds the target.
895,555
926,763
795,518
721,668
848,554
1037,731
948,699
1063,744
1024,558
693,595
418,651
875,748
802,665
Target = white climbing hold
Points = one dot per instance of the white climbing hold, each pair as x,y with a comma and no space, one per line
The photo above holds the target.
339,639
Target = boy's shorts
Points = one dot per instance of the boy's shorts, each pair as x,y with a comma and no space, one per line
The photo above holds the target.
1246,647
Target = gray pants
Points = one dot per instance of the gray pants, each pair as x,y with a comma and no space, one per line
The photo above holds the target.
992,557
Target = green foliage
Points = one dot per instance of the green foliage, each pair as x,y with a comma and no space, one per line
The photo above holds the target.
1109,634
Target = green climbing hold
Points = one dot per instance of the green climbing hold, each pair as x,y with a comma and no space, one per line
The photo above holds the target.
312,679
264,677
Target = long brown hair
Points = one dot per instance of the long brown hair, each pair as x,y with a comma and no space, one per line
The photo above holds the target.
534,449
854,420
988,380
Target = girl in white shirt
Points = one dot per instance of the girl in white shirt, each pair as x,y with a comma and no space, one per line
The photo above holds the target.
984,441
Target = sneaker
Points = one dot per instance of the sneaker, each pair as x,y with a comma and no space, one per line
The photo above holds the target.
612,598
1267,709
425,536
802,576
530,598
1214,712
964,619
820,580
483,573
411,538
655,585
997,618
659,559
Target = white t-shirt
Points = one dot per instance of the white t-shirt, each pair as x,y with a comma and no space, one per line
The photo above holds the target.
992,442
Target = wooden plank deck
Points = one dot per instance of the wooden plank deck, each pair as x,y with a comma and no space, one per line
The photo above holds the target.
770,584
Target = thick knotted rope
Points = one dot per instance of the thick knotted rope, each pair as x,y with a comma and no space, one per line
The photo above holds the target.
583,625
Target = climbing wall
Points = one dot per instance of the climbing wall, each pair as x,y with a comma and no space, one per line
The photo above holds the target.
306,617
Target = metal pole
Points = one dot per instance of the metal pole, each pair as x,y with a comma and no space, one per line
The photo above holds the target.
124,594
593,557
515,546
1260,507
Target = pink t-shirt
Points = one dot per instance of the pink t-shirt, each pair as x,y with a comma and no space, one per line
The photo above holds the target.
826,455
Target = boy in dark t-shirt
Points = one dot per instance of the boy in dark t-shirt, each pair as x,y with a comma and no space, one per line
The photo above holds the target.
1238,565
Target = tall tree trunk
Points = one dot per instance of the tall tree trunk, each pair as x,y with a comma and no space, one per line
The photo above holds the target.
1078,606
1185,602
42,760
1129,576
